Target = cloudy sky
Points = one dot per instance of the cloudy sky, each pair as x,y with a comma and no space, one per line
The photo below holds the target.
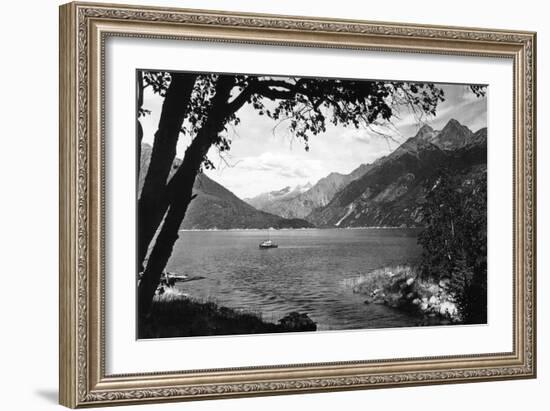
265,158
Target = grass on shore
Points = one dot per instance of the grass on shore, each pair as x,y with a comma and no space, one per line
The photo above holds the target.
176,315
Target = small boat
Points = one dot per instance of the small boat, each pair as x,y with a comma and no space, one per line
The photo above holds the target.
175,276
268,244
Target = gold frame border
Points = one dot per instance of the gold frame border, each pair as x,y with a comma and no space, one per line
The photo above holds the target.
83,30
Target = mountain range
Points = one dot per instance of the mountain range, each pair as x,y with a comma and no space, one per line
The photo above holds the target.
288,193
388,192
302,202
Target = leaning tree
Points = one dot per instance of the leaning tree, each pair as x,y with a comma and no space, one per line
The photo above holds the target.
203,107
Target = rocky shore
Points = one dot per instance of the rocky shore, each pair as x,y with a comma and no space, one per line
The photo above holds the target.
400,287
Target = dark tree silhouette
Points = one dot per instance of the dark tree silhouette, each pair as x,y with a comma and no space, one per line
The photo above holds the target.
203,106
454,241
139,107
152,202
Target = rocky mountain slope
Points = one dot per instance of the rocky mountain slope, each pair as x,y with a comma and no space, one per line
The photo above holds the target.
299,204
392,191
217,207
287,193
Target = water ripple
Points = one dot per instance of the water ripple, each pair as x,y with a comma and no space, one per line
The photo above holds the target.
312,271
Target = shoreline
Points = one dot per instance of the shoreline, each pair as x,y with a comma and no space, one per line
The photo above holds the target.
175,314
300,229
401,287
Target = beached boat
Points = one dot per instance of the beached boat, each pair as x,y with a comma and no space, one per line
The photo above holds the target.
170,278
268,244
175,276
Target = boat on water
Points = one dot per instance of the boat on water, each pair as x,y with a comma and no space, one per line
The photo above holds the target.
268,244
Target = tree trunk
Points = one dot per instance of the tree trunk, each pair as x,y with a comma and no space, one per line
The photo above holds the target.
152,202
182,194
139,106
164,242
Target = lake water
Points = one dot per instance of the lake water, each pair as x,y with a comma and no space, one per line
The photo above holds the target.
311,272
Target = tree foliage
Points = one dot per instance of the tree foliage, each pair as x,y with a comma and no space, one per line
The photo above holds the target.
308,105
455,240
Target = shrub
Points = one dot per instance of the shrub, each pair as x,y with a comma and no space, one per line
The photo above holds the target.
176,315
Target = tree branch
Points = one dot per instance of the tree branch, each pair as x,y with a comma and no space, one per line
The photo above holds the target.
266,88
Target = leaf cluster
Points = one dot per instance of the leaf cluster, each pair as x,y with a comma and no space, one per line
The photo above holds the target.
306,105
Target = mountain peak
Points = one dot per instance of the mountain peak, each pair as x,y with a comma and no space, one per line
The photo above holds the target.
454,135
306,186
424,128
453,124
425,132
333,174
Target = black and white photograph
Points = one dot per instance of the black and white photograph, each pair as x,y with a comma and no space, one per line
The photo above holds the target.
278,204
275,205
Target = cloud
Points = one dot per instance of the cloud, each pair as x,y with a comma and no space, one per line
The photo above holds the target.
281,164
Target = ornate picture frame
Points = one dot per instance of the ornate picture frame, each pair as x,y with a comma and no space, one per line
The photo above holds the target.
84,30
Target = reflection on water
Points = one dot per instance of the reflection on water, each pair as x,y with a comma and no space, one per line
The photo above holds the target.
307,273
